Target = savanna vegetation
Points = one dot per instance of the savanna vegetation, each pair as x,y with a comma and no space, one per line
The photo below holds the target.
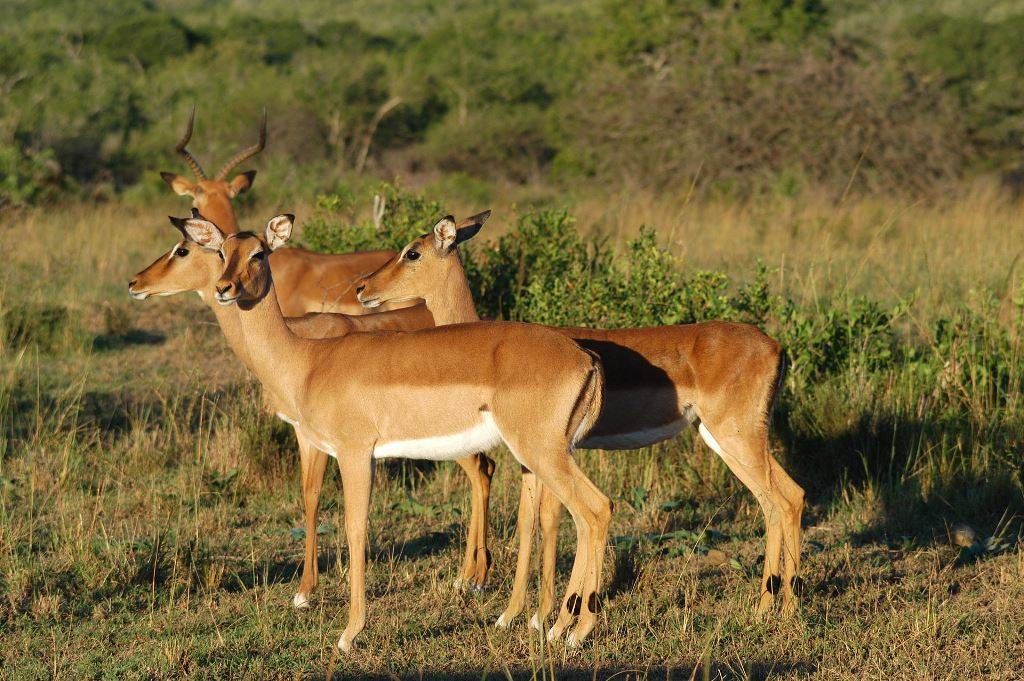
841,174
745,97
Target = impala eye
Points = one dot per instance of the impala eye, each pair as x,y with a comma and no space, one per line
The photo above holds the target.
181,252
412,255
258,255
220,254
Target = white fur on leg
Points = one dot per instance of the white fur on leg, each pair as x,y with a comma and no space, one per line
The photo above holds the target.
713,443
502,623
710,439
344,644
535,623
300,601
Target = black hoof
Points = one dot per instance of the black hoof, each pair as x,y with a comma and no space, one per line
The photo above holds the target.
773,585
594,603
574,603
798,585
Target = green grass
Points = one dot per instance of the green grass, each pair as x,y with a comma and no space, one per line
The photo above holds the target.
150,515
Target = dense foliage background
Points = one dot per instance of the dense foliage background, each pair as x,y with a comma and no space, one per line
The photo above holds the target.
747,95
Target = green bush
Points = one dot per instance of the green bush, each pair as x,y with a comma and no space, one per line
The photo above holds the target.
277,40
28,178
978,62
333,228
758,96
148,39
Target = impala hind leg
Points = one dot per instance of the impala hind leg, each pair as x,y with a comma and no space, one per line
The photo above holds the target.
749,459
591,513
601,508
550,519
792,510
314,464
525,529
476,561
357,483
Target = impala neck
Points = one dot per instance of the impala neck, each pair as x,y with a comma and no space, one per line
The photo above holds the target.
279,358
217,209
230,326
450,301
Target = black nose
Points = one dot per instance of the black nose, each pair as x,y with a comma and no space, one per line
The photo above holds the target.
359,289
223,288
131,284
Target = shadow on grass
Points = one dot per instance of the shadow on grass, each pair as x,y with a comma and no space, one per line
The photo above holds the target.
116,341
289,569
758,669
898,457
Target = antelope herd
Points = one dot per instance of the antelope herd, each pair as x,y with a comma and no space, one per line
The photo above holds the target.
422,377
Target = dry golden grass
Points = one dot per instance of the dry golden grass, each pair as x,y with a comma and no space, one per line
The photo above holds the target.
933,251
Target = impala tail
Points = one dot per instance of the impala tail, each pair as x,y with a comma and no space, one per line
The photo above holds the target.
588,404
771,403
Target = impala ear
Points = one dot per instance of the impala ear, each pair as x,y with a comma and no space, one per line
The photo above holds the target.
179,224
240,184
467,229
202,232
179,185
279,230
445,233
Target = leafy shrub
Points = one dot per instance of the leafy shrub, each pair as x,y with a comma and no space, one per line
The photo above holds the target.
278,40
149,39
978,62
788,21
849,333
976,360
750,97
28,178
333,228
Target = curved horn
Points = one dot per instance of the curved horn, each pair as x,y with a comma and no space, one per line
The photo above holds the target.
246,153
180,148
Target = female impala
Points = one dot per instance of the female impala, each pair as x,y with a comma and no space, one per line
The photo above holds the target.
435,394
308,282
721,376
187,267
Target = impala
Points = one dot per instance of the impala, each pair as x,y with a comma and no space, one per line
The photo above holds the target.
309,282
436,394
721,376
187,267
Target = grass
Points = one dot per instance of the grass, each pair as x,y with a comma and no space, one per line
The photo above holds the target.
150,516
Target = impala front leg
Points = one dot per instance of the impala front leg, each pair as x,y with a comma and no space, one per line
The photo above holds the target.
525,527
314,464
550,518
483,551
477,559
357,483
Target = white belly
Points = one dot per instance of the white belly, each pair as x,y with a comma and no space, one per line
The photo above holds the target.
479,438
635,439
